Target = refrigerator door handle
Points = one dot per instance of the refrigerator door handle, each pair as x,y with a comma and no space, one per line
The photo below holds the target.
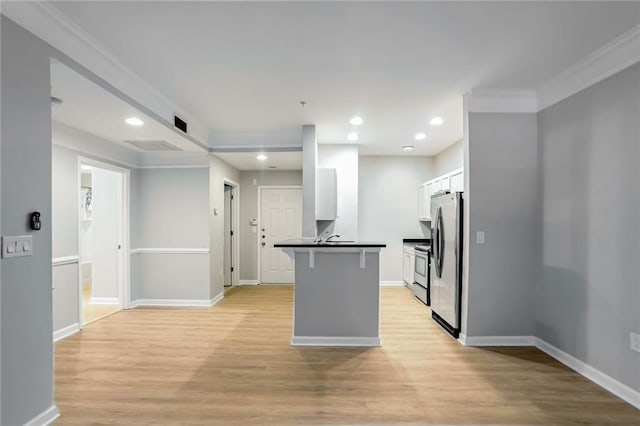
440,242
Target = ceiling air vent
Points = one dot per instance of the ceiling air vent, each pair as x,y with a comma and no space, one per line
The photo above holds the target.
153,146
180,123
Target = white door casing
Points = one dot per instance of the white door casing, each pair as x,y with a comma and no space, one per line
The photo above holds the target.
280,219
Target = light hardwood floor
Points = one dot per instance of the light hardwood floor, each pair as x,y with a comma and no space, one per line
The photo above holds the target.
91,312
232,364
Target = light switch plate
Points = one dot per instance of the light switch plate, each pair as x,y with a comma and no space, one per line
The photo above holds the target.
635,341
480,237
17,246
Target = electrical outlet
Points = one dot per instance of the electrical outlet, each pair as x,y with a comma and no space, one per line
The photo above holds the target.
480,237
635,341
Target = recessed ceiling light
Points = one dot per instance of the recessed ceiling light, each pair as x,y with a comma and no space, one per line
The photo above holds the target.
353,136
408,147
436,121
420,136
261,157
356,121
134,121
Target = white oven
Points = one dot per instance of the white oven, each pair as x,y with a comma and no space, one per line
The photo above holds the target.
421,274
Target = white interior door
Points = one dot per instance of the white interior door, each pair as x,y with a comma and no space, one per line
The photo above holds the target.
280,219
107,225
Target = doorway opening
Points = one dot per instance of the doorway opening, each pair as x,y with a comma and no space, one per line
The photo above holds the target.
103,239
280,216
231,246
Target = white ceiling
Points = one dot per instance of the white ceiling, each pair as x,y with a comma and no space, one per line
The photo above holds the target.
89,107
243,67
247,160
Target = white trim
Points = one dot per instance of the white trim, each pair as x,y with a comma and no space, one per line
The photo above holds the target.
45,418
170,250
55,28
392,284
497,340
617,388
65,260
66,331
502,101
248,282
611,58
235,227
104,301
338,341
182,303
124,261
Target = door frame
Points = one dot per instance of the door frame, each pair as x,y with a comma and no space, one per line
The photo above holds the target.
259,218
124,257
235,222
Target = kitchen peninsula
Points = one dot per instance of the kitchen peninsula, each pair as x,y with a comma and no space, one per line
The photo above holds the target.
336,292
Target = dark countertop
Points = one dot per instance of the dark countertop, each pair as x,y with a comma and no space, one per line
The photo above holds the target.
336,244
416,240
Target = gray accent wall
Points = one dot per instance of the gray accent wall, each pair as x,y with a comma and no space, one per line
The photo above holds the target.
171,212
388,205
249,210
502,201
26,312
218,171
588,300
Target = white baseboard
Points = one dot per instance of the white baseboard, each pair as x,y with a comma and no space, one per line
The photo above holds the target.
248,282
392,283
45,418
179,303
335,341
104,301
66,331
497,340
617,388
216,299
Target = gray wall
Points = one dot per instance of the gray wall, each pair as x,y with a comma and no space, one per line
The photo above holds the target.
388,205
309,164
26,313
64,226
219,170
449,159
172,208
249,211
589,297
502,200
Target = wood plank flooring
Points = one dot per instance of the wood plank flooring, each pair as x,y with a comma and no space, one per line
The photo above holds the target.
232,364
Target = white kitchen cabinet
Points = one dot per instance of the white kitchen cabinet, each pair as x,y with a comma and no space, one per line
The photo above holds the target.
452,181
326,194
424,202
408,264
457,180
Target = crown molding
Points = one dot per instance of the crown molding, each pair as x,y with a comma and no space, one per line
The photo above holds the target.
71,42
501,101
611,58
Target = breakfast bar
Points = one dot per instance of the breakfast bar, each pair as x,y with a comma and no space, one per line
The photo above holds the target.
336,292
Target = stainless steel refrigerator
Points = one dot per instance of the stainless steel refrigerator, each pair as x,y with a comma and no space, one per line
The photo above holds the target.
446,259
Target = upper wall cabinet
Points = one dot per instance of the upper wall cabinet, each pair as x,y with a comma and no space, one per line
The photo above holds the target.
326,194
452,181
